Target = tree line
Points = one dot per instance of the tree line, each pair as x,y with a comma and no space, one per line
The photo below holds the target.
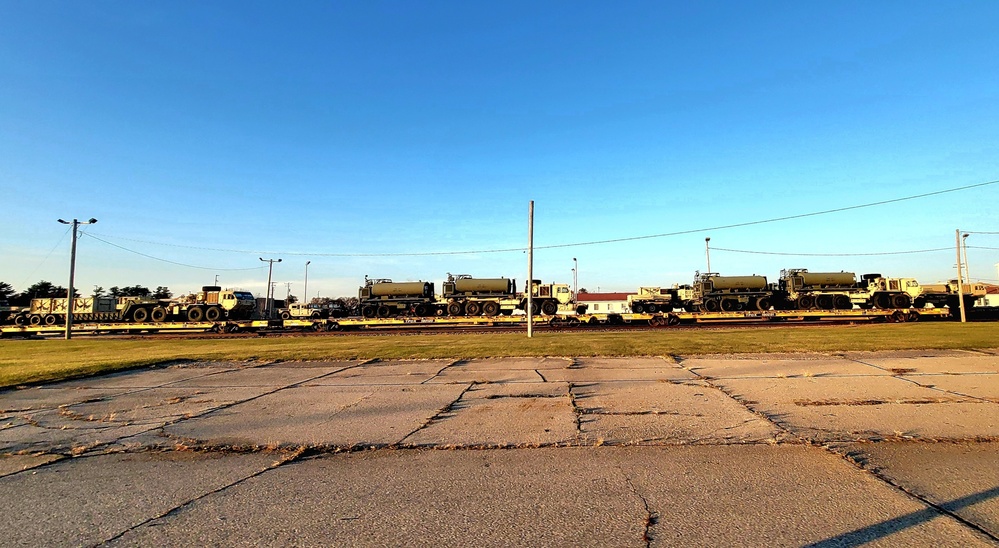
44,290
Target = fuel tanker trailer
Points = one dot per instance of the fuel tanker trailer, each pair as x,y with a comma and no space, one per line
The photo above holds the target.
465,295
713,292
800,289
384,298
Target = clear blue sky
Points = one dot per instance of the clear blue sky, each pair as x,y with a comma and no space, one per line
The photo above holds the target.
215,133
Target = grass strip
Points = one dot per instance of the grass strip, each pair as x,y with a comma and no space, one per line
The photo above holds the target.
34,361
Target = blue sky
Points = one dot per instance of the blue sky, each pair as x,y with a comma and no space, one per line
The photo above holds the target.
346,133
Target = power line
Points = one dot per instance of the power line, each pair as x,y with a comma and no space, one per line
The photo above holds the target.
832,254
168,261
592,242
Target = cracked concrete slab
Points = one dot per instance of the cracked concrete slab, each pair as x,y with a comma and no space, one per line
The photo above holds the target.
796,365
985,385
87,500
417,498
12,464
153,376
321,415
844,409
666,413
476,373
760,495
953,362
41,398
960,477
384,372
262,376
484,419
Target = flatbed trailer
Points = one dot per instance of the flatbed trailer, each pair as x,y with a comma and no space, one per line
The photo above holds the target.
338,324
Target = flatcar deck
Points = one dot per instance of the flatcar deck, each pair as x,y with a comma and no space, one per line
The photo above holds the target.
337,324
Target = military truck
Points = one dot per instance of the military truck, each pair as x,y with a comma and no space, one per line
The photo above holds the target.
946,294
299,311
211,304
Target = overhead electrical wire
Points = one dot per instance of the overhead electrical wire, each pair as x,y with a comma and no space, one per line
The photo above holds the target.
587,243
831,254
166,260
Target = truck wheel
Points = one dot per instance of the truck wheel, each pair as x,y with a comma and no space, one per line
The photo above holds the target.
637,308
213,313
901,300
490,308
140,315
195,314
384,311
368,311
472,308
651,308
454,309
35,320
549,308
158,314
50,319
285,316
21,321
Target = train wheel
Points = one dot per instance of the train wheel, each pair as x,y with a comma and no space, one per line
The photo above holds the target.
729,305
472,308
195,314
140,315
672,319
490,308
158,314
384,311
638,308
454,309
901,300
711,305
651,308
549,308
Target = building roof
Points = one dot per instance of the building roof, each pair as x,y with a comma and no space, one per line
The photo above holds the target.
601,297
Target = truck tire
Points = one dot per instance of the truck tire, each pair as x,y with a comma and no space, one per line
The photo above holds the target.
158,314
140,315
195,314
213,313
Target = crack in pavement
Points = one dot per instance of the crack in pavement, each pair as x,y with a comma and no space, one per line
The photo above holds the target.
651,516
441,370
293,456
439,415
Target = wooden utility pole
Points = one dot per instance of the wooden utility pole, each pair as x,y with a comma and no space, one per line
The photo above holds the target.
960,282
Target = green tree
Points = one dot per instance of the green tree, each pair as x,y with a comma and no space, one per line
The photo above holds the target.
6,291
41,290
99,291
162,292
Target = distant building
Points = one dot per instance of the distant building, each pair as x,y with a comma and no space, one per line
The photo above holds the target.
603,303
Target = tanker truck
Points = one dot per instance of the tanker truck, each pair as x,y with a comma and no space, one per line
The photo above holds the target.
712,292
384,298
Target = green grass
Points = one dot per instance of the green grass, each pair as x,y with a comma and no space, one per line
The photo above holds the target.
33,361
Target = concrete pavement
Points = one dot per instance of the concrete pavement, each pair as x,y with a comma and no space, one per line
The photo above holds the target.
790,450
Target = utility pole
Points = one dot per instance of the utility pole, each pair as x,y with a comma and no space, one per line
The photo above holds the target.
960,282
305,292
967,267
72,273
216,279
707,251
267,299
530,270
288,294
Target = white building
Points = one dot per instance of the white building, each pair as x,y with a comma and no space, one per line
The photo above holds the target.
604,303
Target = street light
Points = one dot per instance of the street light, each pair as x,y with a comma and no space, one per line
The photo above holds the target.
967,267
267,300
72,273
575,278
707,251
306,290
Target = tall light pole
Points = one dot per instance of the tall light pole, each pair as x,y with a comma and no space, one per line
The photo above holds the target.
530,270
960,282
267,300
306,290
707,251
72,274
967,267
575,279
